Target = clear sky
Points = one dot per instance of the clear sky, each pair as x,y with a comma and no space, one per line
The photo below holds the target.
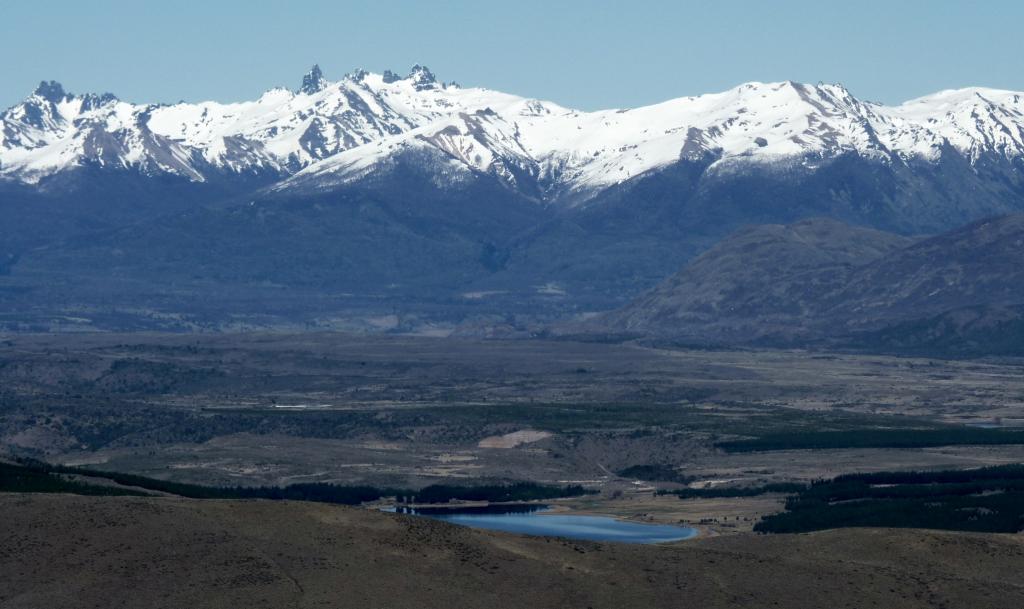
587,54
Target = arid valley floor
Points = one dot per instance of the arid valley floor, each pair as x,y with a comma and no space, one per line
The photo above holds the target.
271,409
274,409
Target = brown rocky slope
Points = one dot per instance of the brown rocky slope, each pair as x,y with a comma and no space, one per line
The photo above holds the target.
68,551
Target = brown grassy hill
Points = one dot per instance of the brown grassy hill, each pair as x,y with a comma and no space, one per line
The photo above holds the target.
821,278
68,551
757,280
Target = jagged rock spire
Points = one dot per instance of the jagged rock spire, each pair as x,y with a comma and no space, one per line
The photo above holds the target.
313,81
50,90
422,77
357,75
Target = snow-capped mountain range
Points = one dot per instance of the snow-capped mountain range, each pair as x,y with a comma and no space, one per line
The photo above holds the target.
326,134
381,193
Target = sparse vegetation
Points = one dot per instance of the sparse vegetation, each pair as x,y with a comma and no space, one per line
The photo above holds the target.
238,416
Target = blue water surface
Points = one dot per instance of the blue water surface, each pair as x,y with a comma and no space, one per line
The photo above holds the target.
531,520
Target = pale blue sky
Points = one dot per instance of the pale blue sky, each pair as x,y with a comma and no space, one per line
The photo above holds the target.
594,54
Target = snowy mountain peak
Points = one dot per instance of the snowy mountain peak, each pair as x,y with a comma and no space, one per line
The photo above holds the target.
357,75
313,81
422,77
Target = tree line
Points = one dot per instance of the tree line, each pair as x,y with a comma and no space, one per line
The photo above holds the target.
988,499
36,476
874,438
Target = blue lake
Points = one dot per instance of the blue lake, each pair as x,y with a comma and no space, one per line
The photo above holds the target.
531,520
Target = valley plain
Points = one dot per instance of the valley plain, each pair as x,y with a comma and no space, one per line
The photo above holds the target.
278,409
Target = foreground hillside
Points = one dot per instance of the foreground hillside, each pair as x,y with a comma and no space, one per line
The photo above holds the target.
65,551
